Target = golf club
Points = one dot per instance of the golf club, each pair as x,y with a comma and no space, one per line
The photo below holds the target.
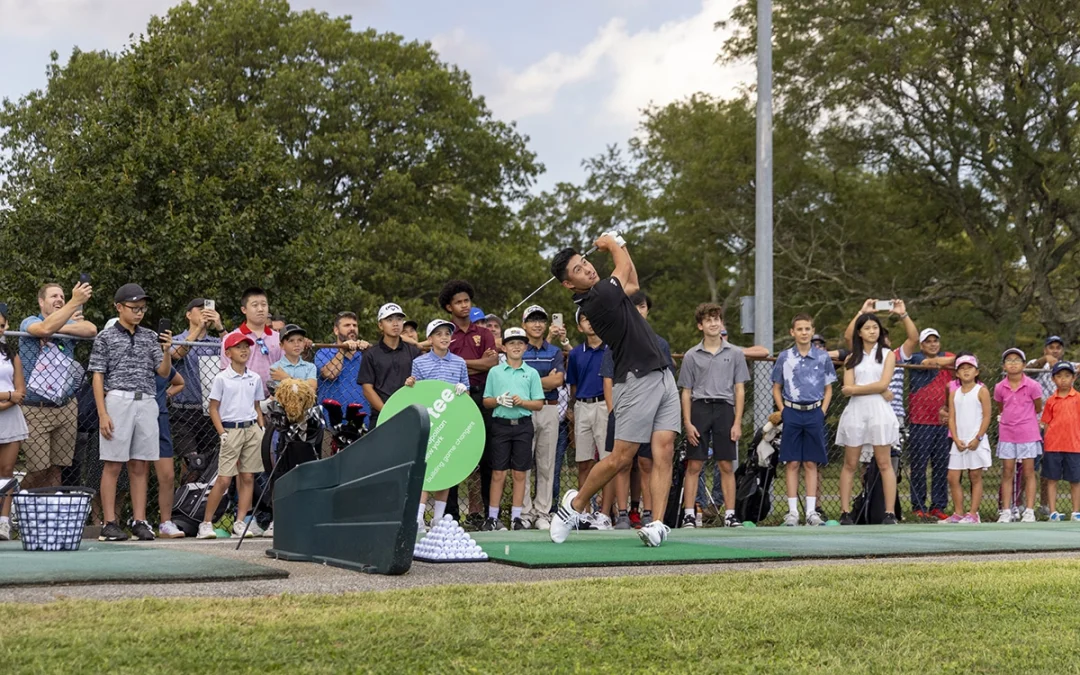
506,314
268,485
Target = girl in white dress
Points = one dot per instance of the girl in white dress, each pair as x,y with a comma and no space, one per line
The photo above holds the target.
969,418
868,418
12,425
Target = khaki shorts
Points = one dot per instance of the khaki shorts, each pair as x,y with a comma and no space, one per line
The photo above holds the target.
52,433
241,450
590,430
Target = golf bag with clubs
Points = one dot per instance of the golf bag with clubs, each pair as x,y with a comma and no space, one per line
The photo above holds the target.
754,478
868,508
189,500
287,445
345,429
673,512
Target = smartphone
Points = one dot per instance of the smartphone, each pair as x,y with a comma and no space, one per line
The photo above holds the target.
883,305
556,320
84,278
163,326
209,304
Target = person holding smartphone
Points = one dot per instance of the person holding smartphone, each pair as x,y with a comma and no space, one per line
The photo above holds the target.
547,360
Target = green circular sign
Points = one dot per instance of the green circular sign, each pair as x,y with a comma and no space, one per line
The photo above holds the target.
457,430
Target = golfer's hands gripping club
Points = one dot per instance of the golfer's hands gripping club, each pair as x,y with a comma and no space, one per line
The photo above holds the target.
609,241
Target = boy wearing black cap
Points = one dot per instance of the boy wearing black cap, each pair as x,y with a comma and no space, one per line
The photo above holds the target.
388,363
291,365
124,359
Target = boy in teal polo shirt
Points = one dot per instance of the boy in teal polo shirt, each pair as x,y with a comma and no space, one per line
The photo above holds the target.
513,391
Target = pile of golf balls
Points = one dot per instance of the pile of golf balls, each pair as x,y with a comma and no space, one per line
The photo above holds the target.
448,541
51,523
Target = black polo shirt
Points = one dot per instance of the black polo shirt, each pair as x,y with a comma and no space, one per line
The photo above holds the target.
615,319
387,369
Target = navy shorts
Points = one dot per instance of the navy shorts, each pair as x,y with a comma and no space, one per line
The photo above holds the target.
165,445
1061,466
803,437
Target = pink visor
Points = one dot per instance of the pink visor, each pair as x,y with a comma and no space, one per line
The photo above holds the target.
967,360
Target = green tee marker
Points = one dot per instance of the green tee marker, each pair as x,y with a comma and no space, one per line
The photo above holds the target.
749,525
457,430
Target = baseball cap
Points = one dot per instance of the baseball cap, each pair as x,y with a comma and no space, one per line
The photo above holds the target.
927,332
436,324
476,314
292,329
197,302
236,338
1052,339
410,322
967,360
532,309
1064,365
495,317
578,315
1013,350
515,334
130,293
818,337
390,309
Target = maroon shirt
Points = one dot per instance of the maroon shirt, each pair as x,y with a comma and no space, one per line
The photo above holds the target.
470,345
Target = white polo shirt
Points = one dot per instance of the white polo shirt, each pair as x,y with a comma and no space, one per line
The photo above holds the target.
237,394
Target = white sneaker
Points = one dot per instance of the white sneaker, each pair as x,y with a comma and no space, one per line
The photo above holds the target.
253,531
169,530
654,534
543,522
565,520
813,520
269,531
601,521
1028,517
791,519
206,531
1005,516
5,531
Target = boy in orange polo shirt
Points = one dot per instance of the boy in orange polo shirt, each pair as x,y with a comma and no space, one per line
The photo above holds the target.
1061,422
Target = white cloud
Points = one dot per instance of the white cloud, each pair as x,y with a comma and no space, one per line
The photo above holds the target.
108,21
630,70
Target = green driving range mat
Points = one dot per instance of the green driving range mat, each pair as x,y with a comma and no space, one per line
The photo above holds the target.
586,549
99,563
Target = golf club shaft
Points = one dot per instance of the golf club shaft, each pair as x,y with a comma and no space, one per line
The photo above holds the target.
269,482
506,314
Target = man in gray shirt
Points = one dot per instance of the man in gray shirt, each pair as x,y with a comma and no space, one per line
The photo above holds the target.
124,360
713,392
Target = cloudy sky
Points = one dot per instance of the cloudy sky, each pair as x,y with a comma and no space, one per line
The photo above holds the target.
574,74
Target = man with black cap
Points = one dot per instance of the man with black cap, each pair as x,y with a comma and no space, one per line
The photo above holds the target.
124,360
198,364
388,363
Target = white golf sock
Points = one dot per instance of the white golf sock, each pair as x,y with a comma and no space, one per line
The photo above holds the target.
688,512
493,512
515,512
793,504
420,512
729,513
440,510
5,519
811,504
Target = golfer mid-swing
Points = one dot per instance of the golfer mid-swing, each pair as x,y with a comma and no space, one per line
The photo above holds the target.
645,395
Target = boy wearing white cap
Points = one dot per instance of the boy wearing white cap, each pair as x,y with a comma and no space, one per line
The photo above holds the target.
388,363
547,360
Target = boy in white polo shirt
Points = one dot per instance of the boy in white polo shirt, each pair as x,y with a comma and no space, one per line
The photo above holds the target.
238,419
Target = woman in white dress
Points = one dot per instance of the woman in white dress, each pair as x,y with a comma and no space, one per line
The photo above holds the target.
12,425
868,418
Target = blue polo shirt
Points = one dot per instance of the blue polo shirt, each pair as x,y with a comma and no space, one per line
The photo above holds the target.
450,369
199,367
343,388
30,349
583,370
544,360
803,378
301,370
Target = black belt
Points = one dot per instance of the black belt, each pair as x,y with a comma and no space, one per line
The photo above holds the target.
237,425
511,423
712,400
594,399
802,406
551,402
42,404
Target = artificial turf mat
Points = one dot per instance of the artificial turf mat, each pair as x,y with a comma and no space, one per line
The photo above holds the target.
587,549
99,563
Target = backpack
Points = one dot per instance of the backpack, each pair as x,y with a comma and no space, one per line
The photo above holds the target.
869,509
753,482
189,505
673,512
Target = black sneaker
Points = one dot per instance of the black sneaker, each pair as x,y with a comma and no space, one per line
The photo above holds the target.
141,530
689,520
112,532
493,525
846,519
474,521
889,519
732,521
519,524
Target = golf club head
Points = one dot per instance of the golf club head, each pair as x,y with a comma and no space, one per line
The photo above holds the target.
333,411
355,414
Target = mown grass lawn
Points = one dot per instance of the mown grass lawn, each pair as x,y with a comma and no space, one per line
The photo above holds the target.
1012,617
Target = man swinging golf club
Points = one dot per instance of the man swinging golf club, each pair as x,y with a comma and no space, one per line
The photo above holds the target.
645,395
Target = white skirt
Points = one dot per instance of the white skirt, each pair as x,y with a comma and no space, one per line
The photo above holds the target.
867,420
979,458
12,425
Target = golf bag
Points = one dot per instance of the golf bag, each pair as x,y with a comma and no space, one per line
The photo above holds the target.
868,508
345,429
287,445
754,478
189,500
673,512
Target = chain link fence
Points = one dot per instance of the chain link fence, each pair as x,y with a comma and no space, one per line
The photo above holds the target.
62,447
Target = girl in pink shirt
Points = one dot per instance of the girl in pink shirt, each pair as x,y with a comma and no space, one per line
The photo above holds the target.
1020,400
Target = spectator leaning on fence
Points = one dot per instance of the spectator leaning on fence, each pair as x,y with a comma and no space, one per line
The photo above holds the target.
267,344
1053,353
52,379
123,361
197,364
164,468
928,441
547,360
388,363
12,424
339,366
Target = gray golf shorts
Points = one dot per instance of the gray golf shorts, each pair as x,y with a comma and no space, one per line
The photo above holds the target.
644,404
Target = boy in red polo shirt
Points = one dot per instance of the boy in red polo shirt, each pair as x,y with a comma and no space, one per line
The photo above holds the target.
474,343
1061,456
